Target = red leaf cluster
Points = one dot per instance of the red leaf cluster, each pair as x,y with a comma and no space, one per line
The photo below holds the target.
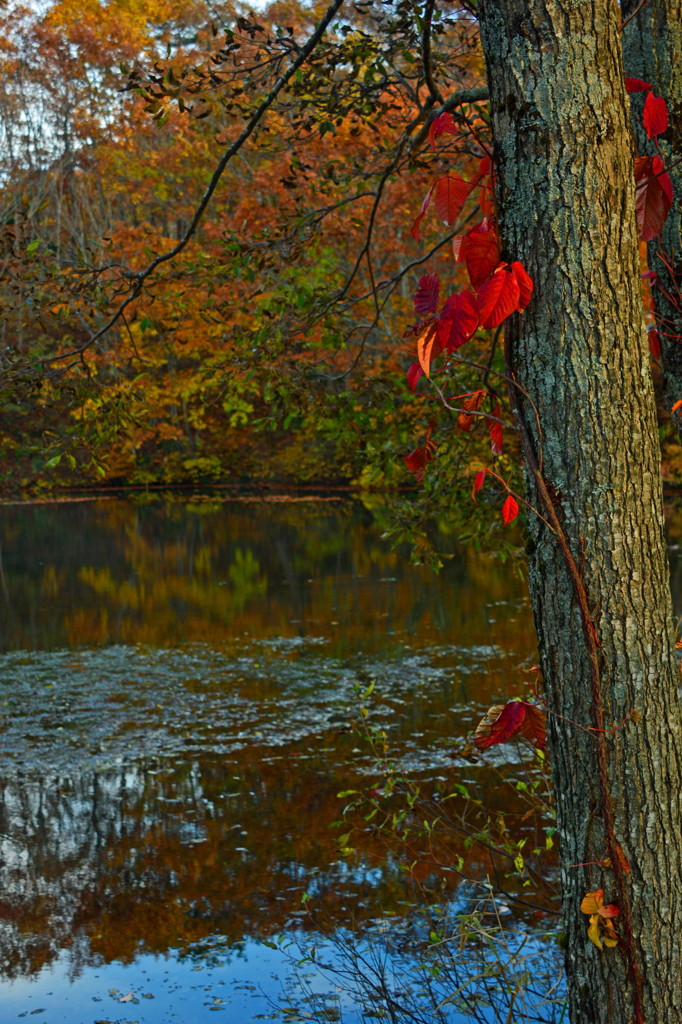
636,85
504,722
655,113
499,289
451,192
457,322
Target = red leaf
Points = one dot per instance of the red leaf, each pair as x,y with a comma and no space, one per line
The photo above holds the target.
470,404
654,343
418,459
485,201
495,430
534,727
414,374
516,718
458,321
478,483
451,193
420,216
654,196
636,85
483,172
510,510
500,723
426,295
441,125
663,179
498,297
428,347
480,249
655,116
484,166
525,283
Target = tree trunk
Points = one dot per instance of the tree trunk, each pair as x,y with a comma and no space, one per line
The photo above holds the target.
652,44
599,579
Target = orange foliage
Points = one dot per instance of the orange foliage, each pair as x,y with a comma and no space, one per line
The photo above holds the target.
271,302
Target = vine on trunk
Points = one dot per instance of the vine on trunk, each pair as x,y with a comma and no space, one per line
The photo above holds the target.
501,288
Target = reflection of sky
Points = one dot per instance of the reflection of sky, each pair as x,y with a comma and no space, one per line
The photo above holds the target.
250,983
185,991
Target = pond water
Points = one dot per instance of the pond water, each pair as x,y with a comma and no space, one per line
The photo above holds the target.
180,690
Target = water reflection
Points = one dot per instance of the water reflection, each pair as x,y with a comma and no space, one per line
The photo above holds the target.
101,573
110,865
176,689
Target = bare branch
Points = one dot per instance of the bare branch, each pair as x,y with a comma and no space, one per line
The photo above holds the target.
426,52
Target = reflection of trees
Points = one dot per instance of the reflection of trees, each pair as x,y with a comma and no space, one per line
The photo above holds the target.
97,573
145,858
113,863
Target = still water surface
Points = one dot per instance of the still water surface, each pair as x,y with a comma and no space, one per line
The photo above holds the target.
176,686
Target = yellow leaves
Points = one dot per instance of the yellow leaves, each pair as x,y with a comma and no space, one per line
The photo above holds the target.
600,930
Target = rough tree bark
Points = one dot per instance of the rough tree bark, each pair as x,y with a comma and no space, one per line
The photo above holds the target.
599,579
652,46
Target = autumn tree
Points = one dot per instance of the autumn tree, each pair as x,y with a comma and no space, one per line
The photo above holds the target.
296,271
577,369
